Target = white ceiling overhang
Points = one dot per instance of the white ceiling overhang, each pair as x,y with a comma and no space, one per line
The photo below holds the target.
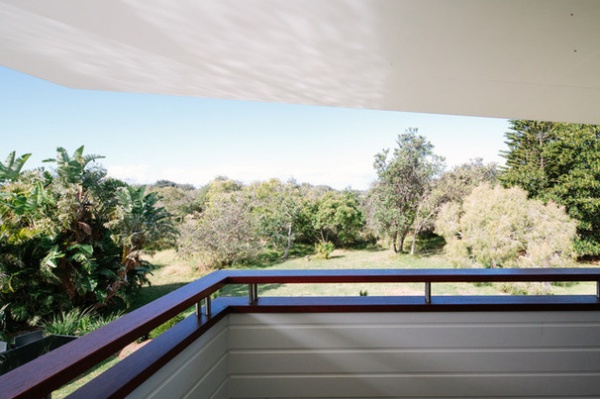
533,59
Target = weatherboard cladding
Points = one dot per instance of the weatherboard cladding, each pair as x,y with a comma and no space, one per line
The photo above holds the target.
391,355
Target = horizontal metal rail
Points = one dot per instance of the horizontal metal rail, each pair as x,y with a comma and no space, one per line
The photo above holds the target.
409,275
47,373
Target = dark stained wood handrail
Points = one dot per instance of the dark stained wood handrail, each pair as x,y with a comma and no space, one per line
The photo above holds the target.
47,373
117,382
54,369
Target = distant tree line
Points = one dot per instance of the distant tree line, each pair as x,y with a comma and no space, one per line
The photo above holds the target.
227,222
550,167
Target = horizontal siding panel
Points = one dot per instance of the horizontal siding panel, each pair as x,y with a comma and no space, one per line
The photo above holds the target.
399,336
411,361
420,397
389,355
186,370
207,384
415,397
222,392
435,318
364,386
415,355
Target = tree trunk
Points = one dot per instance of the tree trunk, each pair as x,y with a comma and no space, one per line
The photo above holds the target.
541,138
66,279
289,243
394,237
413,245
417,223
401,243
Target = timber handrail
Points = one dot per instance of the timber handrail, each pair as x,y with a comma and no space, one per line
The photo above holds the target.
47,373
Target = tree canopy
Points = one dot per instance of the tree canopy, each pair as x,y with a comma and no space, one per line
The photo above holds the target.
498,227
404,179
559,162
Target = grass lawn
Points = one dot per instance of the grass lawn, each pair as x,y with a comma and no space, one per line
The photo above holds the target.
171,273
84,378
380,259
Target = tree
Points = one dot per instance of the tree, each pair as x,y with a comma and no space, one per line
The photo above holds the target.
278,208
338,218
453,185
425,214
79,230
225,232
529,156
497,227
288,212
403,182
179,202
456,184
559,162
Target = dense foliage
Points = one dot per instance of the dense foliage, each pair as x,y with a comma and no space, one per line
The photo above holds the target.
225,231
497,227
559,162
70,237
451,186
240,222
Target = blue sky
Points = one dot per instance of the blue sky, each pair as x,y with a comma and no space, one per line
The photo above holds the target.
191,140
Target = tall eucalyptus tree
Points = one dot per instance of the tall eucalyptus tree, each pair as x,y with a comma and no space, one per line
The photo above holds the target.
404,179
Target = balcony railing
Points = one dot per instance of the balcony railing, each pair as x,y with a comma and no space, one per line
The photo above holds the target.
49,372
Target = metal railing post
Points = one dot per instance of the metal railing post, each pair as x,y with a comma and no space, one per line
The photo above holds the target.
207,306
252,293
428,292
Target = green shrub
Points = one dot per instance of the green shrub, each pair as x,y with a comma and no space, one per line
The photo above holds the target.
76,322
95,321
65,323
324,249
565,284
526,288
497,227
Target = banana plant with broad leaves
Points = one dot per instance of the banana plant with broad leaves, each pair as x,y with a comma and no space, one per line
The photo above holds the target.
71,238
11,168
72,169
137,222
